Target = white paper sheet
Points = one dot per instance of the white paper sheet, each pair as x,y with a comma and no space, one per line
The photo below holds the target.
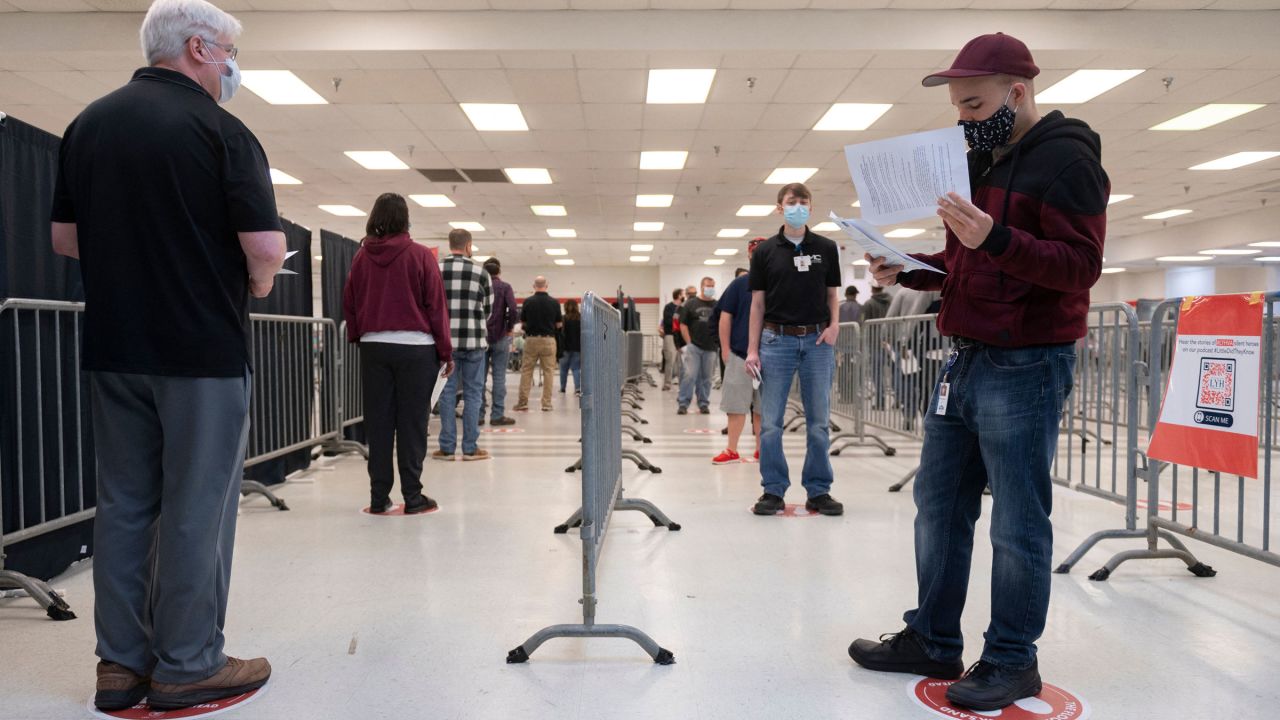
283,271
438,390
900,179
874,244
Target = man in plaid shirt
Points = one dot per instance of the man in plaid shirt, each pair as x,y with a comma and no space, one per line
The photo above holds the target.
470,295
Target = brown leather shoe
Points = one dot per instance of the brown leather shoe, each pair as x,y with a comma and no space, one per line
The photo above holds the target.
119,688
235,678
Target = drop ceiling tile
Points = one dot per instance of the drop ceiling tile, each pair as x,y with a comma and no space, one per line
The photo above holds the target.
613,116
613,86
478,86
545,85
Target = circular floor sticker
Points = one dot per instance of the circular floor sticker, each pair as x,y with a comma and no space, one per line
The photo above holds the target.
699,431
142,711
397,510
794,511
1053,703
1164,505
501,430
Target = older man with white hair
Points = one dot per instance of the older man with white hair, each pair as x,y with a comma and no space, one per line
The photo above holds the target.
166,199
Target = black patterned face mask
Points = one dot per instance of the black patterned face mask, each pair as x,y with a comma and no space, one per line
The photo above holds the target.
995,131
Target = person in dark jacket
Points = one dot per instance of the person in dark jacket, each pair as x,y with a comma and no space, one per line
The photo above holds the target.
395,308
502,323
571,346
1020,260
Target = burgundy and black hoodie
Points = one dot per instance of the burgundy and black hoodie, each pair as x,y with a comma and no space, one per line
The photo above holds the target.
1028,284
395,284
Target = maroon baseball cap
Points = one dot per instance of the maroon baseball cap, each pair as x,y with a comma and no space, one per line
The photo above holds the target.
997,54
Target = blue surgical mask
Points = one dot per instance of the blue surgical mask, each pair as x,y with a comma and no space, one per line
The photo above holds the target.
709,291
797,216
230,82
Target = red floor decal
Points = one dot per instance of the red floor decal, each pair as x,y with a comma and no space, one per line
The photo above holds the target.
1053,703
144,711
1164,505
794,511
396,510
700,431
501,430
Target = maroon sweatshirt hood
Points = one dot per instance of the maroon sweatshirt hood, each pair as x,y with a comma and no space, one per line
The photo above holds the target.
384,250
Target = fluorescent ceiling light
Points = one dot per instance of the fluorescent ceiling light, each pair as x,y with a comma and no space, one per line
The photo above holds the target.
318,257
433,201
1166,214
1112,271
1231,162
564,261
1228,251
377,159
856,203
1269,258
1084,85
679,87
1182,258
732,232
479,258
859,261
827,226
556,251
495,117
726,251
1207,116
904,233
663,159
342,210
528,176
719,261
549,210
562,232
467,225
1266,243
654,200
280,177
641,248
639,258
756,210
648,227
851,116
1118,199
280,87
784,176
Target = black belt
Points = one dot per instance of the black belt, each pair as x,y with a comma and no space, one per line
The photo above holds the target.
533,336
793,329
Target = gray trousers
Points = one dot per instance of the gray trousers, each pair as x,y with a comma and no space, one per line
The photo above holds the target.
170,460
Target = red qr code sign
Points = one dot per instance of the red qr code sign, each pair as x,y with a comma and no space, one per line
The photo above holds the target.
1217,384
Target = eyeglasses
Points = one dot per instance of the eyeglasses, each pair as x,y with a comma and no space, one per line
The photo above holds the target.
230,50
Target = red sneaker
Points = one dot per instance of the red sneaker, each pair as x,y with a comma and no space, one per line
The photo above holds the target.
757,456
726,458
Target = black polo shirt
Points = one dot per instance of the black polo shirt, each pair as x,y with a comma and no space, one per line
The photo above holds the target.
540,313
795,280
158,179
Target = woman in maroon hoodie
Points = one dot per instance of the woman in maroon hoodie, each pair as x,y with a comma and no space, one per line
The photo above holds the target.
395,308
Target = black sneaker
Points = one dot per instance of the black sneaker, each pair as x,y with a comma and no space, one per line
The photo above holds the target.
482,419
824,505
705,410
987,687
420,504
769,505
378,508
683,410
902,652
504,420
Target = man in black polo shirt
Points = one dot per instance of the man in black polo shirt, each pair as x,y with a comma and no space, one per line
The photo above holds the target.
795,320
166,199
541,317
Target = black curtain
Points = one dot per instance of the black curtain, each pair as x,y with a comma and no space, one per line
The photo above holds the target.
49,457
338,252
291,295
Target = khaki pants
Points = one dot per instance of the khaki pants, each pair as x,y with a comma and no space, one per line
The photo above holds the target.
669,355
537,351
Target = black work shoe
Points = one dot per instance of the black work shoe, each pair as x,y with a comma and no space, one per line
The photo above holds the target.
705,410
824,505
902,652
769,505
378,508
683,410
987,687
420,504
504,420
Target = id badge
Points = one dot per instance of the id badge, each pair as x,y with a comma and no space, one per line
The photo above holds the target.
802,263
944,393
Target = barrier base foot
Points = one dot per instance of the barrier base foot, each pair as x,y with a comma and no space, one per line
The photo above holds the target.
655,469
673,527
517,656
890,452
1202,570
646,441
1062,569
665,657
1101,575
561,529
59,611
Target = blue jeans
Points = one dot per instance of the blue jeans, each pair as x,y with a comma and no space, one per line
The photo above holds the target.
572,361
469,366
699,366
1000,429
498,354
782,357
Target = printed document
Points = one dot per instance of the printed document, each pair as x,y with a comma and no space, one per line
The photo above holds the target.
901,179
438,390
283,271
874,244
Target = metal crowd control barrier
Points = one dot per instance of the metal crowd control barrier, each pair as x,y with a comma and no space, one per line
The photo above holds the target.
349,393
602,491
630,372
849,393
1246,526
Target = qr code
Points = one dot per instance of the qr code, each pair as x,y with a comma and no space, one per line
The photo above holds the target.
1217,384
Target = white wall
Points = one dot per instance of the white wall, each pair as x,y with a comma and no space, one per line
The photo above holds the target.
640,281
1133,285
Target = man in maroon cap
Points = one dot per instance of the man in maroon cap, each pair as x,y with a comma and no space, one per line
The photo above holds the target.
1020,260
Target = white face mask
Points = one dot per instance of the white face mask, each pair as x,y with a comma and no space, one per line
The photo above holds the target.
230,81
709,291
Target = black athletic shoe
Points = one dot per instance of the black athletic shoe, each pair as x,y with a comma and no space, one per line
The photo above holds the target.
705,410
824,505
902,652
988,687
378,508
769,505
683,410
420,504
504,420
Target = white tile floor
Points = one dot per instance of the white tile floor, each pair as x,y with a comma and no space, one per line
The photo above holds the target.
367,617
